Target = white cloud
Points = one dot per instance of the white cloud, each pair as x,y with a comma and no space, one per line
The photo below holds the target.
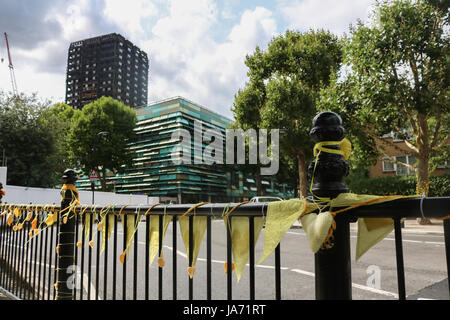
333,15
186,60
129,14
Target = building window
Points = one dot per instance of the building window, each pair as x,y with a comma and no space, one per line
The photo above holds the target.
389,166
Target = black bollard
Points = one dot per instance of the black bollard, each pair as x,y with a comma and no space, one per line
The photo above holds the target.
332,261
66,239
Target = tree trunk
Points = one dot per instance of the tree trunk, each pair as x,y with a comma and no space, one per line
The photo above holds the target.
424,155
302,175
102,177
258,181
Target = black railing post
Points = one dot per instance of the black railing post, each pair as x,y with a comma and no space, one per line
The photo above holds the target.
66,239
332,262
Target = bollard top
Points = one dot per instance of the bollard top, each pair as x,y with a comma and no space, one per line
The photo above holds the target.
69,176
327,126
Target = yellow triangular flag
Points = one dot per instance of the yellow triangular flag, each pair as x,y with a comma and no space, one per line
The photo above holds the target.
154,233
281,215
240,240
130,229
199,228
87,225
316,227
106,234
370,232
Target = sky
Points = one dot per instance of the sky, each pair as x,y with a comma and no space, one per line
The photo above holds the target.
196,48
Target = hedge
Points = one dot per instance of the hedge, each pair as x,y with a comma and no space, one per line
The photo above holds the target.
397,185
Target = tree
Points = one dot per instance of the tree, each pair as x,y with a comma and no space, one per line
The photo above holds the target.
29,141
91,149
283,88
59,117
398,81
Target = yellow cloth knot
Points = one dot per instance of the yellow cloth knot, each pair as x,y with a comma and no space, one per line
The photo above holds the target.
345,147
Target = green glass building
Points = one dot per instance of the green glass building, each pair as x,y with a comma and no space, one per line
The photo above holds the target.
168,166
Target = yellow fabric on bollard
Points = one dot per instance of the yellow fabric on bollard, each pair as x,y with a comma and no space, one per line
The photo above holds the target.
240,240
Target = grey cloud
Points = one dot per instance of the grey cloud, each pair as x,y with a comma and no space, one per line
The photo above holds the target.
23,20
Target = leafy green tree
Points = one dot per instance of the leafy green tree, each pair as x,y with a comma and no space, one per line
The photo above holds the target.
283,89
29,141
99,137
397,82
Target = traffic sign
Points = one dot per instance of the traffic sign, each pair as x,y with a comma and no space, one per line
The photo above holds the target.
93,176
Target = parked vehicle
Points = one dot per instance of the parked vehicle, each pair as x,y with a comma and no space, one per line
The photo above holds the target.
265,199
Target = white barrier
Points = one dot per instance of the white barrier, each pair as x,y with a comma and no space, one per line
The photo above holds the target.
26,195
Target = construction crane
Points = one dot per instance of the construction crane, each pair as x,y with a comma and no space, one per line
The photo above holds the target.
11,70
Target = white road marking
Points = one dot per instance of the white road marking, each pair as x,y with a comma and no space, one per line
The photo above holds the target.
355,285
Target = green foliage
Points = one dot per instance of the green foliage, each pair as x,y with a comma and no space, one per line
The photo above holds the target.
284,84
107,152
397,81
396,185
31,141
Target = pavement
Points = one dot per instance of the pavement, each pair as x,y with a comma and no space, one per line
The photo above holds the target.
410,226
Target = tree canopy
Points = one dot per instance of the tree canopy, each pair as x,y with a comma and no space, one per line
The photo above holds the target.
397,82
283,89
99,137
30,141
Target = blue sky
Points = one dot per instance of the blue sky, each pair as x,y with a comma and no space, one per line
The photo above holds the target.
196,48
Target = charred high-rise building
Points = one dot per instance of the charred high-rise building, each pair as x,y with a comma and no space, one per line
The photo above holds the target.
109,66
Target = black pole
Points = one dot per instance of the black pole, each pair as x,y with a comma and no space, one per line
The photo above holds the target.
66,240
93,190
332,262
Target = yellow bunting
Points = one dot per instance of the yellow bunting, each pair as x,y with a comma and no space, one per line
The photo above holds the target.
99,226
79,244
154,233
17,212
370,232
130,229
240,240
87,225
29,216
122,257
65,220
317,227
107,233
57,249
36,231
34,223
30,234
225,267
281,215
50,219
161,262
20,226
15,228
56,285
91,243
199,228
191,271
10,219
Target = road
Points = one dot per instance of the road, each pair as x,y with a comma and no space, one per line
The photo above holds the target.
424,257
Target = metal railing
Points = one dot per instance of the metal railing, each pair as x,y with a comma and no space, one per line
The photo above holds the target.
29,267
